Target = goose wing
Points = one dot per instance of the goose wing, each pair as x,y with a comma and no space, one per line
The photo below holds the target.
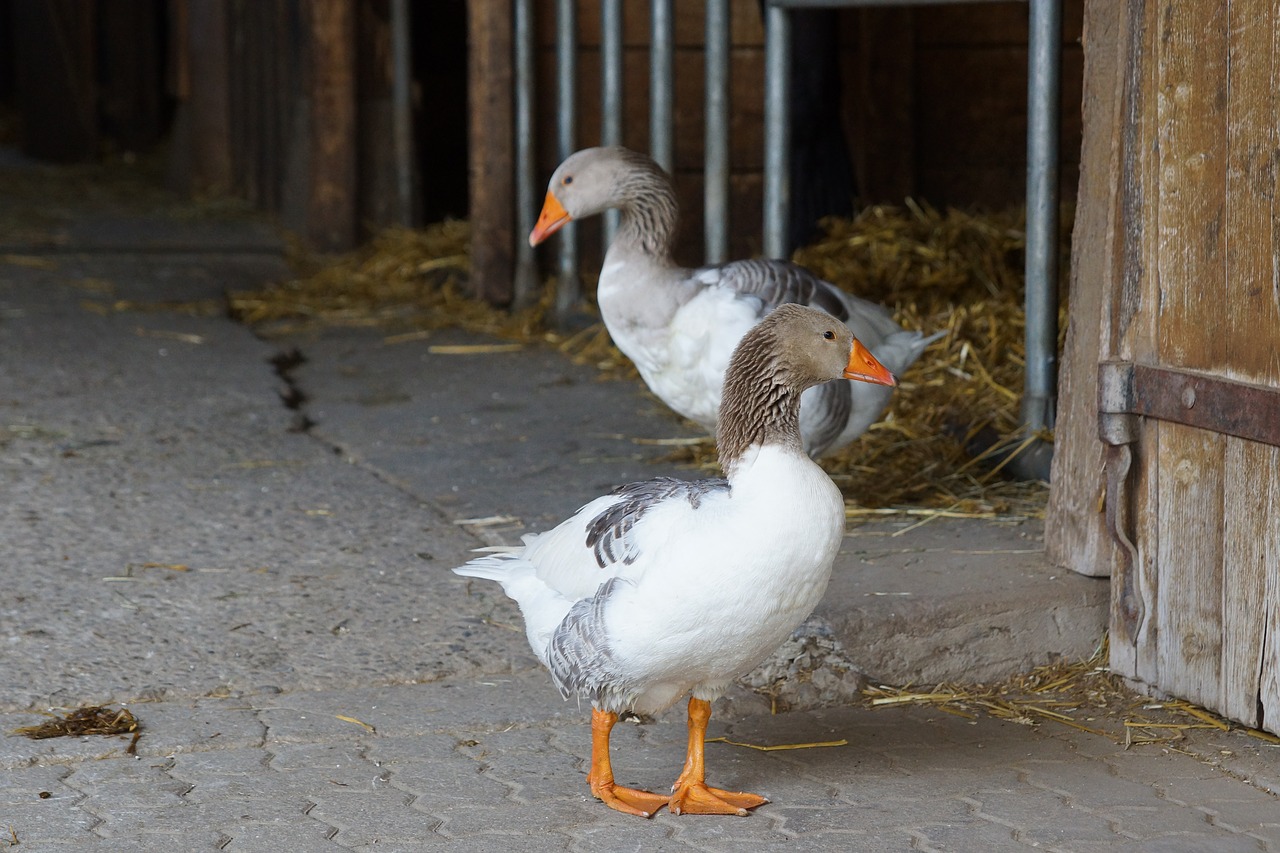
606,538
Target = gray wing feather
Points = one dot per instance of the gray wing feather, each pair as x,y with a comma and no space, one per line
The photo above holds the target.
775,283
579,656
609,535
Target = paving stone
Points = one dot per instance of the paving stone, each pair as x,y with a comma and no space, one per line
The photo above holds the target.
48,820
170,542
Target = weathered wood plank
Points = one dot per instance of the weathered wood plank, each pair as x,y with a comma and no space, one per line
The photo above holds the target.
1252,500
1191,107
1133,332
331,208
1269,666
1253,318
1076,535
1190,554
492,192
1269,689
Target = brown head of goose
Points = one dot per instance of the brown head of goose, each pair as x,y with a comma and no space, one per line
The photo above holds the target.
680,325
670,587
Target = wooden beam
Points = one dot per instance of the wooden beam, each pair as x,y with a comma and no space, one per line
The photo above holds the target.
492,191
331,205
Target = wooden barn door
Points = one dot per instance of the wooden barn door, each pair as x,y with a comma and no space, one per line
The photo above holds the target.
1180,501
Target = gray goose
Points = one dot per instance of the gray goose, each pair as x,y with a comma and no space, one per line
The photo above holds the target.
680,325
670,587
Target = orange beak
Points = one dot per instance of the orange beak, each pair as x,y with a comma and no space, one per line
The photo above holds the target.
864,367
551,220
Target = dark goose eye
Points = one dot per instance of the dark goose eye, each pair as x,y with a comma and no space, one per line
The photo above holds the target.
829,335
568,179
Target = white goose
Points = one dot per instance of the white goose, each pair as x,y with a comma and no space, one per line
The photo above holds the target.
680,325
668,587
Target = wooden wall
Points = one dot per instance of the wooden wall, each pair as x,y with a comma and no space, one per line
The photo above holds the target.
1178,272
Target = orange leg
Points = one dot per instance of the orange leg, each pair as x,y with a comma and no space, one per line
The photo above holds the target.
690,794
625,800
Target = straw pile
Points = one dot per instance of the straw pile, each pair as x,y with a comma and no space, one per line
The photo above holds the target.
954,423
956,410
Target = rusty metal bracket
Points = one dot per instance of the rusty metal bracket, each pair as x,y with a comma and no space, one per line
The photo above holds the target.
1126,390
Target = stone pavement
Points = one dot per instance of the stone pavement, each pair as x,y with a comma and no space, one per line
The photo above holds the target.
275,605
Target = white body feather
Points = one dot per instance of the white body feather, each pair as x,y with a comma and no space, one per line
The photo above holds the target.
712,589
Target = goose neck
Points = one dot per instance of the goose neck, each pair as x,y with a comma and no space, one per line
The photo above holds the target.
649,215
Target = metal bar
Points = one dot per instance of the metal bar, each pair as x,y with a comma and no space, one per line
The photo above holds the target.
715,217
1200,400
526,283
569,288
777,124
402,109
611,56
661,84
831,4
1043,83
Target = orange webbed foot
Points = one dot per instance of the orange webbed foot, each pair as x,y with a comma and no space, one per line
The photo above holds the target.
698,798
630,801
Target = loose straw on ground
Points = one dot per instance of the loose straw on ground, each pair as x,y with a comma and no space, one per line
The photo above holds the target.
953,424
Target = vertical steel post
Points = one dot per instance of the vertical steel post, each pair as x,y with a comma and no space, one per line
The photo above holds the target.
402,110
715,216
611,67
526,283
1043,85
777,130
661,83
569,288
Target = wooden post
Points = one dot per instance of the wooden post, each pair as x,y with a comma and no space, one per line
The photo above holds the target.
1075,527
200,150
331,205
492,157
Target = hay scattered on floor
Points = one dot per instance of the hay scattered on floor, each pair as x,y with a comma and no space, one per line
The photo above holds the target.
955,414
1083,695
404,281
94,720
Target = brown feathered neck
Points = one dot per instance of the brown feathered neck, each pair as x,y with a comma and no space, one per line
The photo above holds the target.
760,404
647,202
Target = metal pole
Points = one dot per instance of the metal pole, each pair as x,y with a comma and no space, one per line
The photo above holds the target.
402,109
569,288
1043,83
777,129
716,190
661,83
611,57
526,283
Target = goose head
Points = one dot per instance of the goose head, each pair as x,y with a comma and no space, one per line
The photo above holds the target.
795,347
593,180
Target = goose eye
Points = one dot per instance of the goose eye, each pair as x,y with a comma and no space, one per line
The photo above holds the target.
568,179
829,335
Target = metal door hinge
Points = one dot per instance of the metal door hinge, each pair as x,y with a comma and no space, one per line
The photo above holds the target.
1127,390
